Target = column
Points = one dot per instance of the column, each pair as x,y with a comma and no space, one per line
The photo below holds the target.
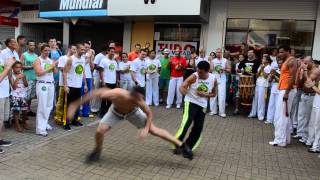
217,25
127,36
66,34
316,42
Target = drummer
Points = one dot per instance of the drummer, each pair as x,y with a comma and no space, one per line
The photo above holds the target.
241,58
249,67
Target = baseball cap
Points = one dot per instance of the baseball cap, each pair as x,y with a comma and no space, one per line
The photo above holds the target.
166,51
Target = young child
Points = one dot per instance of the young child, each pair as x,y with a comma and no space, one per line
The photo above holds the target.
19,103
259,101
314,124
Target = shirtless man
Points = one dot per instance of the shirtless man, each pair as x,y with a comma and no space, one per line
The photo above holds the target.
129,106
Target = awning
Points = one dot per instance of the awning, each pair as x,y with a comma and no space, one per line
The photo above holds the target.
8,21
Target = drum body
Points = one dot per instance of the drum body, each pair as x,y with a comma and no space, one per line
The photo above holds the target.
246,89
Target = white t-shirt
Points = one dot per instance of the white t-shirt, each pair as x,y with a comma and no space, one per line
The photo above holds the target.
261,81
97,61
274,65
45,64
199,59
110,68
236,68
124,66
20,91
4,84
87,68
7,54
219,64
153,66
61,63
138,66
202,85
75,74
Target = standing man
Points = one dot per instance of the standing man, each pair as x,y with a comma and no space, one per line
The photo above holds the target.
72,50
164,75
95,102
89,57
220,67
54,55
5,68
27,60
177,65
22,42
108,76
305,104
197,88
249,66
134,54
152,86
10,51
201,57
73,77
138,69
285,97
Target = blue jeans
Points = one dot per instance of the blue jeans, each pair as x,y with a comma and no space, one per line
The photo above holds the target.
86,106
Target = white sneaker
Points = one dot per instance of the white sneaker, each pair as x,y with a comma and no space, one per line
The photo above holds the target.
267,122
212,113
275,144
168,106
156,105
49,128
251,116
178,106
223,115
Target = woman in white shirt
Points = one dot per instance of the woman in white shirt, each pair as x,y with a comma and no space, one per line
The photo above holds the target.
125,75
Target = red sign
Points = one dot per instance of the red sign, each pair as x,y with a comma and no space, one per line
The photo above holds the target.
8,21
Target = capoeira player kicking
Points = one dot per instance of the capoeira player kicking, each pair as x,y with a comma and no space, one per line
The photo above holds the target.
126,105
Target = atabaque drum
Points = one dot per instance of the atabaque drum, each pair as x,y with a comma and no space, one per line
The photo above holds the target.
246,89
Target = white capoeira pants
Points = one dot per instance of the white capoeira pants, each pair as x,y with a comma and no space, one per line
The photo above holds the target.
220,99
283,124
174,89
95,102
314,129
272,102
126,84
152,91
45,95
295,107
304,113
259,103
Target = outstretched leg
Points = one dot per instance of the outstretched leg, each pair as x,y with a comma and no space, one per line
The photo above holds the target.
95,154
163,134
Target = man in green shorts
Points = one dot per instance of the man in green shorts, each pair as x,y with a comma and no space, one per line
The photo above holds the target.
164,75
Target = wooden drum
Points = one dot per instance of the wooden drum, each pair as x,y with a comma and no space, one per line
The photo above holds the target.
246,89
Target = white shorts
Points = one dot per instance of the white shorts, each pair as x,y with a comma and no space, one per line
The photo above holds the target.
136,117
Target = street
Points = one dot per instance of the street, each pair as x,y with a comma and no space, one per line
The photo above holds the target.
232,148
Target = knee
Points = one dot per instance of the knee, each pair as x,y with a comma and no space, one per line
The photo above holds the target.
102,129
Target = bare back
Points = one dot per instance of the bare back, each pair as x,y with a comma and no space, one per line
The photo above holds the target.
122,101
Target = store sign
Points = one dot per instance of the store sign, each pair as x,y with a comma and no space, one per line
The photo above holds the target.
154,7
172,45
73,8
8,21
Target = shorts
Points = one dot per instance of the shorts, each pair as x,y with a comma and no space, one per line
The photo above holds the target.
31,90
18,104
164,83
136,117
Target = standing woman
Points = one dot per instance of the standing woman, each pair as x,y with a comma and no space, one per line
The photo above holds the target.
125,76
44,68
190,66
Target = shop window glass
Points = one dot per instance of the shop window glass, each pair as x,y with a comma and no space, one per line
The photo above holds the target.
267,34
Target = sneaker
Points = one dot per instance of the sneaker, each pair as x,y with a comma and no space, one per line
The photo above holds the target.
178,106
186,151
94,156
32,114
42,134
313,151
156,105
177,150
212,113
49,128
168,106
267,122
79,124
275,144
296,137
302,141
223,115
1,151
252,116
67,127
91,116
236,112
4,143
